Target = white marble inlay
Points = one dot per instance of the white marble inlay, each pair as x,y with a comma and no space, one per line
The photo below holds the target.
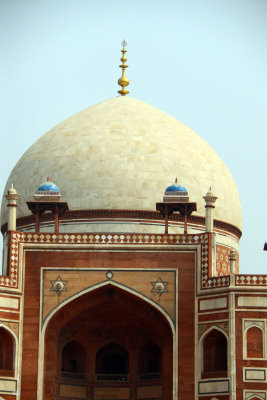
220,386
213,304
8,302
252,301
254,374
8,385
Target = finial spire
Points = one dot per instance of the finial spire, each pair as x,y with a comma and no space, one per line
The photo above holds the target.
123,81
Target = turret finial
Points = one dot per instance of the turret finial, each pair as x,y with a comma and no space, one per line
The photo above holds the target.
123,81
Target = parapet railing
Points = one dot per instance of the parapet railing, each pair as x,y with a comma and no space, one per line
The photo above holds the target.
251,280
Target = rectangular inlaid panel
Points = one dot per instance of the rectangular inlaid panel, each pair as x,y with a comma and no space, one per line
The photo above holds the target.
149,392
103,393
252,301
212,304
255,374
79,392
208,387
8,385
9,302
218,397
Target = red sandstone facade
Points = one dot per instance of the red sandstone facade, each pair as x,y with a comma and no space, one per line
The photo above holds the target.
129,316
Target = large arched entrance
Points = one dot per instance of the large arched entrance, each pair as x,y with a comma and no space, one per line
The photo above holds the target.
108,343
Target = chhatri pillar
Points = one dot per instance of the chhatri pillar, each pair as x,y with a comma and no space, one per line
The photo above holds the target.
210,199
47,199
176,199
232,258
12,197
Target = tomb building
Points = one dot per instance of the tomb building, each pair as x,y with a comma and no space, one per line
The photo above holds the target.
119,280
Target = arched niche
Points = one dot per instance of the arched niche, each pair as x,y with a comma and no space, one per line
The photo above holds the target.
112,361
149,362
73,360
104,316
7,352
214,354
254,342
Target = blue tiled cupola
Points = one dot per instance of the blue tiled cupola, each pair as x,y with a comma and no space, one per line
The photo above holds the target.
47,191
176,193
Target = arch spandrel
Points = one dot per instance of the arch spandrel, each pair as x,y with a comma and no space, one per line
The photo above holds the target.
13,327
156,286
255,397
207,327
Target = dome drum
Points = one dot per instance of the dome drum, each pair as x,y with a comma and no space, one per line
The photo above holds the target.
137,221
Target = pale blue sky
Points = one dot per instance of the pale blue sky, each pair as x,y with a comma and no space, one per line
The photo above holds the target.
202,61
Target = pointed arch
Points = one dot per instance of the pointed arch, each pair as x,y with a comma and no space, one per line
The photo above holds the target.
149,361
112,359
8,346
254,341
73,359
214,353
172,324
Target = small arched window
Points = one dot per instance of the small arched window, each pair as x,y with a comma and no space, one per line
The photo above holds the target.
7,352
73,360
254,342
214,355
149,362
112,363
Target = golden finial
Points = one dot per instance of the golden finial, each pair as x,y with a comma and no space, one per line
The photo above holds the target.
123,81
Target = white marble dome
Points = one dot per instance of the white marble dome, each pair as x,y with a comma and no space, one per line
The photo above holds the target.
122,154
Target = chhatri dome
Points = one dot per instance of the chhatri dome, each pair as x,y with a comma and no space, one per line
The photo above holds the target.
176,192
175,188
47,191
121,154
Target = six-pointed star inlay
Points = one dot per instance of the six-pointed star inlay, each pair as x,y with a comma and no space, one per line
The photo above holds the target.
58,286
159,287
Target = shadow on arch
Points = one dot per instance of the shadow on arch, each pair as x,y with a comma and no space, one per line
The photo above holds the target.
106,340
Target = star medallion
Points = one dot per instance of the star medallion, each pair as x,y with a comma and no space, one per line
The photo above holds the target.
58,286
159,287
